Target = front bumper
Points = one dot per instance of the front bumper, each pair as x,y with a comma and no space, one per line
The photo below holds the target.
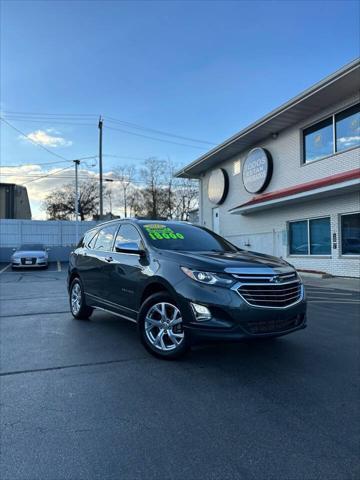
38,264
233,318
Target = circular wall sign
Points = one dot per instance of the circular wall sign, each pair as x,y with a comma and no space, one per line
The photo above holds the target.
257,170
218,186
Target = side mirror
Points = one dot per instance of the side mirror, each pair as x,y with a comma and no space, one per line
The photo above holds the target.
128,247
47,249
14,249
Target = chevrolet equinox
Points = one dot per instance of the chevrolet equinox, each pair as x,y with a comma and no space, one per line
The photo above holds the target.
181,282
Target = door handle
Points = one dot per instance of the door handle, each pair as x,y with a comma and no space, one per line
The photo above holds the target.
109,259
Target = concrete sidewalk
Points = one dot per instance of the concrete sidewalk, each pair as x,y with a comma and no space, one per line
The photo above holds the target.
340,283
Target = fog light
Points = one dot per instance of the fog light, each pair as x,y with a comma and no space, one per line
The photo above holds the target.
201,312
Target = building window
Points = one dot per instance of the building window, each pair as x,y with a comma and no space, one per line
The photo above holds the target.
335,134
319,232
310,237
318,141
350,234
299,244
236,167
348,128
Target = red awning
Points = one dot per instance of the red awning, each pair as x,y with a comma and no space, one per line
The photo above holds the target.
303,187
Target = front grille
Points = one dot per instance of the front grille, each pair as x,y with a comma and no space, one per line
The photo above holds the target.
273,326
33,261
272,295
264,277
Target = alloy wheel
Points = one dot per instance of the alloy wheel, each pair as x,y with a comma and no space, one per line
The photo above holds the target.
76,298
163,326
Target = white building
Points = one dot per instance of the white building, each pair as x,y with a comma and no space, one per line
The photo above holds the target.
288,185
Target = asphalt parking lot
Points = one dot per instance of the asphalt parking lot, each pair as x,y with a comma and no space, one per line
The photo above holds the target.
83,400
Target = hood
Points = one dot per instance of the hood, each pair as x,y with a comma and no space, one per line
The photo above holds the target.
29,253
218,261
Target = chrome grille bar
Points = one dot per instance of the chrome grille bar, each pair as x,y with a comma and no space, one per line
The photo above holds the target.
276,290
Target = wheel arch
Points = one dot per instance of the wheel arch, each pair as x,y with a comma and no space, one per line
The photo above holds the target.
156,286
74,274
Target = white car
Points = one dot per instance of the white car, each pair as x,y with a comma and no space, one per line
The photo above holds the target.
30,255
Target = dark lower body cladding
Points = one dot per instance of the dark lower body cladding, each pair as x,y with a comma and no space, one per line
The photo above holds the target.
267,327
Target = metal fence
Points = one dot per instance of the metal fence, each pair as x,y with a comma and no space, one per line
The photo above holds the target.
50,233
60,236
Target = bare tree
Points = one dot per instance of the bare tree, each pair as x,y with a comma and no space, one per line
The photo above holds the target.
159,194
126,175
162,195
186,193
136,202
153,175
60,204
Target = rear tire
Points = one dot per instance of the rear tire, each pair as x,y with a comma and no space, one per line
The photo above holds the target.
161,327
78,306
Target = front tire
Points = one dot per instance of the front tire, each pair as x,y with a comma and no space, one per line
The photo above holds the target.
78,306
161,327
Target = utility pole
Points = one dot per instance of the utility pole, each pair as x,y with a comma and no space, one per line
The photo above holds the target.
100,168
77,162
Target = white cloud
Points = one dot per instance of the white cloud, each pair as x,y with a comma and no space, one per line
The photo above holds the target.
45,138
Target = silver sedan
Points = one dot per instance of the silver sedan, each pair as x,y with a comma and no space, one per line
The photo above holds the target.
30,255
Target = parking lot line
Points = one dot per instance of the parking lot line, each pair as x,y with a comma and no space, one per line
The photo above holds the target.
5,268
58,266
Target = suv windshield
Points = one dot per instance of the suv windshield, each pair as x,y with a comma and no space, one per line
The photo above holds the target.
185,237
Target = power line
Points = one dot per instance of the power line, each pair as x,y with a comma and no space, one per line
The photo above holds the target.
52,114
33,164
85,177
45,176
56,122
161,132
34,116
153,138
125,157
33,141
46,163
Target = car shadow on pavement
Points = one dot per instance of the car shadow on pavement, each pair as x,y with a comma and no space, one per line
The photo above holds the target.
253,357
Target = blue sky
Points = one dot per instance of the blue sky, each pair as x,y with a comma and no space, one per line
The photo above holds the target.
200,69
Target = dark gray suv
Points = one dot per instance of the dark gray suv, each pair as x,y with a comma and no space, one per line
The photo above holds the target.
181,283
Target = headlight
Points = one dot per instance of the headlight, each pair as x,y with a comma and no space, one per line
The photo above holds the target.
207,277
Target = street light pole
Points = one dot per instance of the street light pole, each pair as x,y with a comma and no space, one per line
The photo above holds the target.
100,168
